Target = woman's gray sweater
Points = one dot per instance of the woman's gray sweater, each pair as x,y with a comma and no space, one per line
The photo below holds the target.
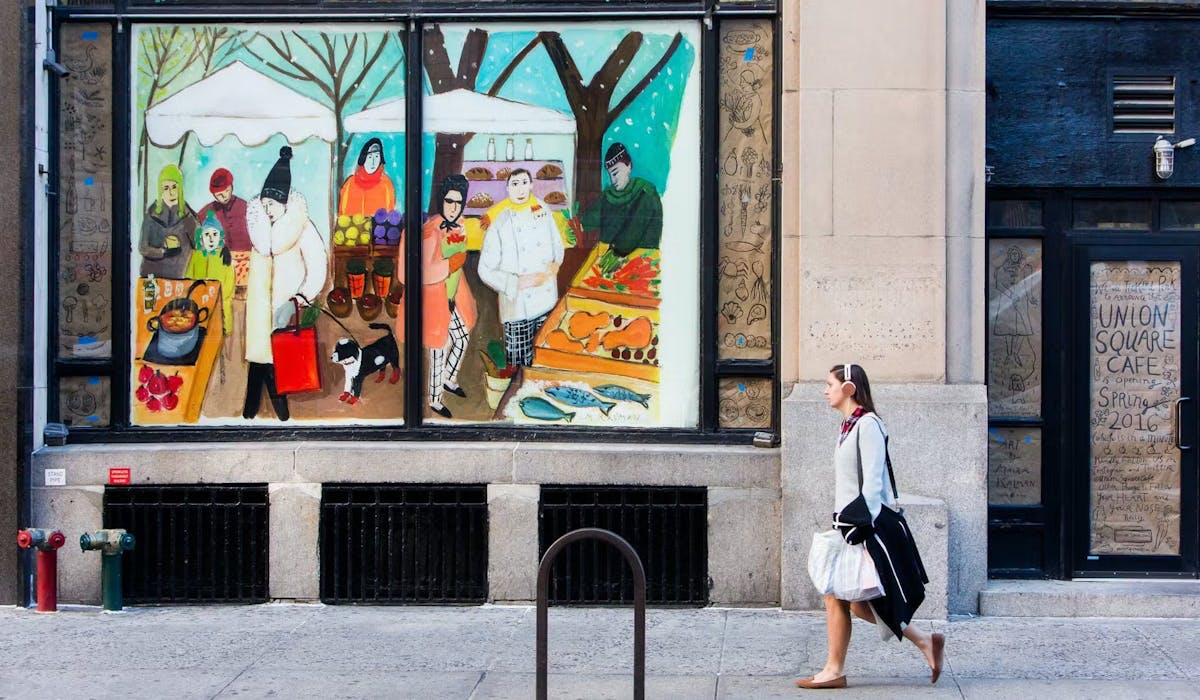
868,435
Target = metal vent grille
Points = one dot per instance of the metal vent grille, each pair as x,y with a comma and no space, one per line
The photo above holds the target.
397,544
668,527
195,544
1143,104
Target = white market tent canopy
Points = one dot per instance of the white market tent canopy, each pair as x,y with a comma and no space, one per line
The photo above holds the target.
463,111
240,101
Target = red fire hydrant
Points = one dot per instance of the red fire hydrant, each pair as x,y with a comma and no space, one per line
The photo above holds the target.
47,543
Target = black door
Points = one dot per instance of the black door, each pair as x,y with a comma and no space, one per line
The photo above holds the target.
1133,409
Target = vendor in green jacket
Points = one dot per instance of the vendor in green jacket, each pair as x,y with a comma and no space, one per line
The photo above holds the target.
628,213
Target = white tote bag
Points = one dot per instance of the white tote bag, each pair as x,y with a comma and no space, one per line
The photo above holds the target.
822,556
842,570
854,576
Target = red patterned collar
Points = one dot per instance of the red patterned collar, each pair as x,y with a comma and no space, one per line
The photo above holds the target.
848,423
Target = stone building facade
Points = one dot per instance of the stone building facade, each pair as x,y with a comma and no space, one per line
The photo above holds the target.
881,258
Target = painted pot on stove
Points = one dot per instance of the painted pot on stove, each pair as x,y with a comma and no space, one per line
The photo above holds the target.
178,324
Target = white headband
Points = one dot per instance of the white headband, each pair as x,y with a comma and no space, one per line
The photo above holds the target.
846,372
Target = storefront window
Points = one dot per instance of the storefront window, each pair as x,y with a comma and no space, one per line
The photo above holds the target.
745,402
1014,213
1015,328
1014,370
269,214
745,190
85,201
1107,215
563,219
1014,466
1180,216
84,401
255,200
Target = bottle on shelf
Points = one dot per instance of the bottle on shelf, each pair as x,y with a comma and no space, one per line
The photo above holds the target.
528,149
149,294
491,149
510,150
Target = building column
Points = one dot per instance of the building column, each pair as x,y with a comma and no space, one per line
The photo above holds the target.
966,299
512,542
294,532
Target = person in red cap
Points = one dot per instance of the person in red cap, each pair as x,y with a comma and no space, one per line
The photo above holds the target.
230,210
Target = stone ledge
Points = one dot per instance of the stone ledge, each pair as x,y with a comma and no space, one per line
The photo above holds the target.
170,463
416,462
1091,598
646,465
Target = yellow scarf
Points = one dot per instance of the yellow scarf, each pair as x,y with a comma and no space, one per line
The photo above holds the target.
506,204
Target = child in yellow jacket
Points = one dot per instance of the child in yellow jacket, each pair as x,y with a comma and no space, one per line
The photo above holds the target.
211,260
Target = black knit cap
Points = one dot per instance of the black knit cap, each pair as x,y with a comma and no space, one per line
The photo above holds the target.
279,180
617,153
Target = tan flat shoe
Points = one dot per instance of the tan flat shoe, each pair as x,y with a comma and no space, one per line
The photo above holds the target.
939,645
812,684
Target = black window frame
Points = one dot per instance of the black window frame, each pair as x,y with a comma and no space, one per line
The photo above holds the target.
414,14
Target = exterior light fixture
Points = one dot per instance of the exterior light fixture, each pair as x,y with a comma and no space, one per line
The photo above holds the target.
1164,156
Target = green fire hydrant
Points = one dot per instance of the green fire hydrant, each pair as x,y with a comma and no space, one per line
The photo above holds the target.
112,544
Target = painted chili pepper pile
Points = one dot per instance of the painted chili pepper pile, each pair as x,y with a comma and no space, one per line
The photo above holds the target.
638,276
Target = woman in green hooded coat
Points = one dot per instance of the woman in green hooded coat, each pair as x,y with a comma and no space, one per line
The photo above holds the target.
167,229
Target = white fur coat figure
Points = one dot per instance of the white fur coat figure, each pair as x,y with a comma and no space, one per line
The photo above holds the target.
288,257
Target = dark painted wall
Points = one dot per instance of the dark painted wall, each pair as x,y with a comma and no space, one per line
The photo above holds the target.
12,45
1048,102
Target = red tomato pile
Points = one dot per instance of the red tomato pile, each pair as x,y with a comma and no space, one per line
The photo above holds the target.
158,391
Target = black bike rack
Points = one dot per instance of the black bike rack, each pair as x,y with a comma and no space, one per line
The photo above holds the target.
639,604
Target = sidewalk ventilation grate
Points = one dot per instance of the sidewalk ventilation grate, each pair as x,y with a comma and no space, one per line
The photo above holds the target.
195,544
667,526
404,544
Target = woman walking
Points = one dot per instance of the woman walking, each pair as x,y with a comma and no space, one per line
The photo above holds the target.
862,473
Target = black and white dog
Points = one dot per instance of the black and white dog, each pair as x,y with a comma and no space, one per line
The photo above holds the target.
359,362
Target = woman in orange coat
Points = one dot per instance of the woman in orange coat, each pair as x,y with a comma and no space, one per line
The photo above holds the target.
447,305
369,189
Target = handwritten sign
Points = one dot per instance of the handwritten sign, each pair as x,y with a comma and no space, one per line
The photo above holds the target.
1014,466
1135,357
85,186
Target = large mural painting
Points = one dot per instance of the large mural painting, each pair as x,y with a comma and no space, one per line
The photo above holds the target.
559,243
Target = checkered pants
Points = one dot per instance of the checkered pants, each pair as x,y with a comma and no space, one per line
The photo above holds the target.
445,362
518,340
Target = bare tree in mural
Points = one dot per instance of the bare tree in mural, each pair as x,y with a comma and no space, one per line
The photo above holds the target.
592,104
448,148
167,53
344,62
209,43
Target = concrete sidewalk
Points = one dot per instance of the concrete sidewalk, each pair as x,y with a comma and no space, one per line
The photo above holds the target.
314,651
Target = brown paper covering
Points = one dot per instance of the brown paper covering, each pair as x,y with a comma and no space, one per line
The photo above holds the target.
1135,466
744,186
85,193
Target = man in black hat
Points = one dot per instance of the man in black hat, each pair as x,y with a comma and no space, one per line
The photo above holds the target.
628,213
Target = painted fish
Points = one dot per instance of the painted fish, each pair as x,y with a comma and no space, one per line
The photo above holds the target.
620,393
579,398
542,409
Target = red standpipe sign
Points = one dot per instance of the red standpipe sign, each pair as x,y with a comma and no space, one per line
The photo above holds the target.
119,476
